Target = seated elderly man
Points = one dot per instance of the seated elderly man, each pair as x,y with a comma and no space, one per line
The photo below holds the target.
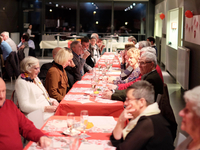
14,124
147,64
132,39
6,38
147,129
10,59
142,44
77,59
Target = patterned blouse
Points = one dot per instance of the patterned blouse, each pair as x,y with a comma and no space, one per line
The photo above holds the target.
134,75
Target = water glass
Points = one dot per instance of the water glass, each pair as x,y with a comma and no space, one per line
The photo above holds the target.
70,121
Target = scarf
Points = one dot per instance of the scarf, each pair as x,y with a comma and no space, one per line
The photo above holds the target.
37,81
150,110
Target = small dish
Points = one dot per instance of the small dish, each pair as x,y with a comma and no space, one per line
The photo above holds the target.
73,133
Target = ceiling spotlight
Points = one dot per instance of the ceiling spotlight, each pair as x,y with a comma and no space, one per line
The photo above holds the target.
94,12
92,3
70,9
128,8
126,23
56,5
96,7
97,22
50,10
50,3
62,6
4,8
133,4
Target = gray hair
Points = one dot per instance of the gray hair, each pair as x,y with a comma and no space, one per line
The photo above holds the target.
132,38
5,33
143,89
63,55
73,44
150,57
193,96
27,63
95,35
144,44
148,49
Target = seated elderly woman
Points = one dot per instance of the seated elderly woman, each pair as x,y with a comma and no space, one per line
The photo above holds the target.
147,128
191,120
133,55
56,79
30,92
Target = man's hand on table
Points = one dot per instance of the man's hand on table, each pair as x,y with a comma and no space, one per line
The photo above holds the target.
107,94
44,142
111,86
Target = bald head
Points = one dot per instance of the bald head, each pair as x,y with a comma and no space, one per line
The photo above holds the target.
55,50
2,92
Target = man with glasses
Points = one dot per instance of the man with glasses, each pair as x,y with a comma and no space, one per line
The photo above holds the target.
147,64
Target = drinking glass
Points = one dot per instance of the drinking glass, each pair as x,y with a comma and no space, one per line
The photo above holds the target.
70,121
99,66
84,122
104,71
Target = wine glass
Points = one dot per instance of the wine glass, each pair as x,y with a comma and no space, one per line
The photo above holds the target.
104,71
84,122
70,121
99,66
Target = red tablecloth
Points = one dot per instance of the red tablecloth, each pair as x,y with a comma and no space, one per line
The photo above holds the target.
94,109
97,136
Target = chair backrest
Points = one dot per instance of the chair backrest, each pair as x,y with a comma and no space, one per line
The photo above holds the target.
181,138
167,111
37,118
14,99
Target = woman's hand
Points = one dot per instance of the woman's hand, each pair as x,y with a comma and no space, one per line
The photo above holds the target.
127,114
55,103
50,108
71,63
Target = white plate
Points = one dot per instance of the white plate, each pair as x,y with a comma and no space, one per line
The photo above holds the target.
73,133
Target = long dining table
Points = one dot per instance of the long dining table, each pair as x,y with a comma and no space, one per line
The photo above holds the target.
103,115
77,99
98,134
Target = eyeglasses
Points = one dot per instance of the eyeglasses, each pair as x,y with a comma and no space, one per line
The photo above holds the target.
144,63
127,100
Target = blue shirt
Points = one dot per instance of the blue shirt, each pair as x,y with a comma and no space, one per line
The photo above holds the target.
6,49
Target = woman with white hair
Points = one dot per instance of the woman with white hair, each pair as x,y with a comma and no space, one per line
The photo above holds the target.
191,120
30,92
56,79
142,44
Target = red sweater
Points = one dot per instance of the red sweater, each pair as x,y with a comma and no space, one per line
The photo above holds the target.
13,125
126,85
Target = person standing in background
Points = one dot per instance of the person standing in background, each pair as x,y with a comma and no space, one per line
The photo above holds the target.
29,30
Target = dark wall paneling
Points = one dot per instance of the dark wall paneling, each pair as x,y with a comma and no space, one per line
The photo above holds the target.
9,16
158,1
194,76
